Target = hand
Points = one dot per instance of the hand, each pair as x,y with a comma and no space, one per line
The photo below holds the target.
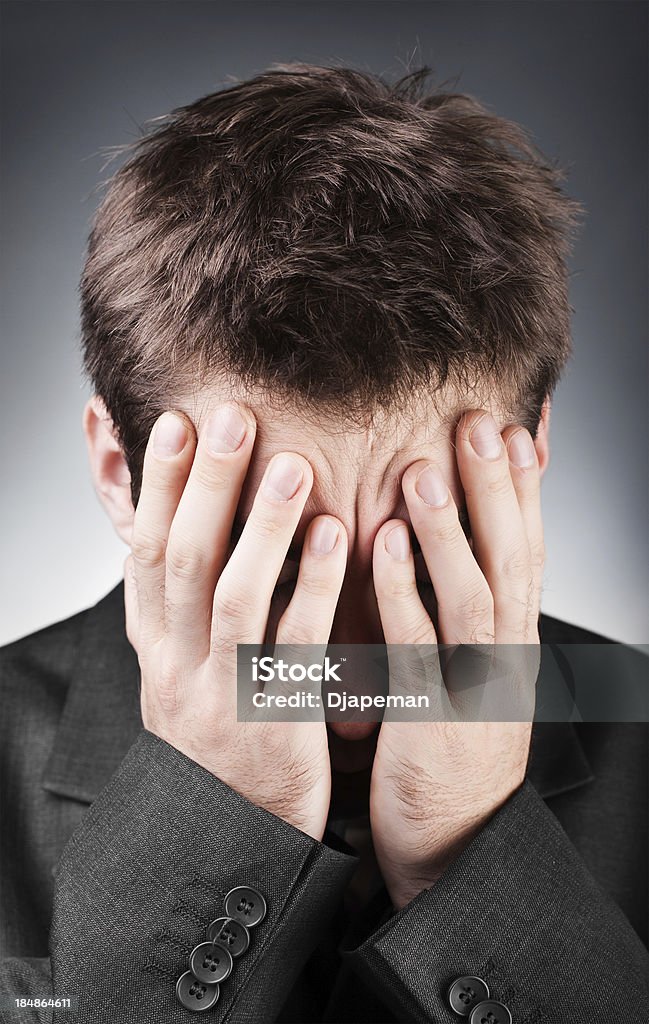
188,605
435,784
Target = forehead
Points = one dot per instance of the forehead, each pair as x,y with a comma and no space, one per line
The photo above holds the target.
357,469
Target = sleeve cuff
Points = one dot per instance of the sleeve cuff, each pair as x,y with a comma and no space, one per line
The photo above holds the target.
519,909
149,868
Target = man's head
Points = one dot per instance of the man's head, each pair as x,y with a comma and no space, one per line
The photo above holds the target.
326,245
357,264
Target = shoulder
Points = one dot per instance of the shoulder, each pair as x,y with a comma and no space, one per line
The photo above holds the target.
36,672
602,680
38,666
556,631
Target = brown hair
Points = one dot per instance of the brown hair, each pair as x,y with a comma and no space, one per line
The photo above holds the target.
330,238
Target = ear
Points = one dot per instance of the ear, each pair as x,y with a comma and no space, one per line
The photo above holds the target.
542,439
110,473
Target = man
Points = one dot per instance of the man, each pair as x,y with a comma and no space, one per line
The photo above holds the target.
323,318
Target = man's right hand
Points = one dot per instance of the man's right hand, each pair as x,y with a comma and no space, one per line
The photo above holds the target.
188,605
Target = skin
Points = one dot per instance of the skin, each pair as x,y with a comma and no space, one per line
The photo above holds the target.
236,538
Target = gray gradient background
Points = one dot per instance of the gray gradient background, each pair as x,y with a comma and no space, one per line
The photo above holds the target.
78,77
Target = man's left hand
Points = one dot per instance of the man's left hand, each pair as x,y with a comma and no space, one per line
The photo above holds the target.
435,784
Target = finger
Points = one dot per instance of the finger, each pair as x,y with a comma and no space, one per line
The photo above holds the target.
201,531
465,605
167,463
414,668
526,477
403,616
309,616
310,613
245,587
499,539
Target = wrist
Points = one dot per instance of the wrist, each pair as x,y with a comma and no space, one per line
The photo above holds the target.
407,876
405,881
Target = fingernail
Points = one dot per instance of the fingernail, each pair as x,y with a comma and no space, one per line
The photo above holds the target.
283,478
225,430
324,536
170,436
397,543
521,449
431,487
485,438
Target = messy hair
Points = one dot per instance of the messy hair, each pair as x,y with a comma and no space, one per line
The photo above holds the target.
328,237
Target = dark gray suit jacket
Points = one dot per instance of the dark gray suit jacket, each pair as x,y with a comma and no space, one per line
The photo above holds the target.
117,851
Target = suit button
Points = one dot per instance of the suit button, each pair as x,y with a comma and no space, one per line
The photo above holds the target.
490,1012
465,993
231,934
245,905
210,963
194,995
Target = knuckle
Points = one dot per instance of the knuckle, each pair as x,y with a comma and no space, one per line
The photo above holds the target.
314,585
162,477
186,561
516,566
231,605
213,475
223,647
147,549
297,629
499,486
419,633
399,588
481,636
538,554
266,525
475,605
447,534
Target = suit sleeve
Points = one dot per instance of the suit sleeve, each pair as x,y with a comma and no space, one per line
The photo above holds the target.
520,910
146,872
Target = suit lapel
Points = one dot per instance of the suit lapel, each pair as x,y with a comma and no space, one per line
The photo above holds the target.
557,761
101,717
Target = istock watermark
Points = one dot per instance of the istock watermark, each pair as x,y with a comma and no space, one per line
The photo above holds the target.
418,683
268,669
